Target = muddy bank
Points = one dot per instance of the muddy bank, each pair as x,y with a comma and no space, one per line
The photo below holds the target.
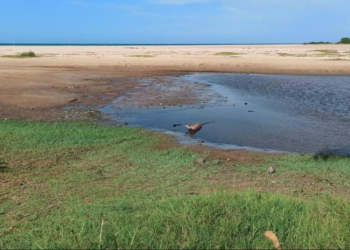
46,93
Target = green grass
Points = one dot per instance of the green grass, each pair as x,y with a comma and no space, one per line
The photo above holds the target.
29,54
60,180
227,54
143,56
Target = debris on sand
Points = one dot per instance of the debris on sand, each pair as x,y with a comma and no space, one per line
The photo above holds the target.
74,87
74,100
200,143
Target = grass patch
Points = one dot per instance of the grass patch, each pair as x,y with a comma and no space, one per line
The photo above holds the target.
143,56
60,180
29,54
292,55
328,52
228,54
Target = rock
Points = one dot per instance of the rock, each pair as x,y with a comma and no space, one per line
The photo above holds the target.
271,170
201,161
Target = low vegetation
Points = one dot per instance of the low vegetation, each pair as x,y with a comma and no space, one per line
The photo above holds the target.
328,52
143,56
292,55
227,54
28,54
344,40
337,59
79,185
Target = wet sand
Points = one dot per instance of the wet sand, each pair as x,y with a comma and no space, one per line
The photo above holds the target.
32,88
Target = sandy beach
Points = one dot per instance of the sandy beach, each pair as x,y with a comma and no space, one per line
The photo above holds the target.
95,75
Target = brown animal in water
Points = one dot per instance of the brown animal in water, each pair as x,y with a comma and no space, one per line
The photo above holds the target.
194,127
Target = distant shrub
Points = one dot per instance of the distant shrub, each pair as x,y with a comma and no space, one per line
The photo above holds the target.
27,54
319,43
345,40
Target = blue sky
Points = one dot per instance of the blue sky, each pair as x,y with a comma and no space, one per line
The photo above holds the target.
173,21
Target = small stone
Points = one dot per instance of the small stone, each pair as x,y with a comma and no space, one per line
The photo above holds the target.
228,159
271,170
76,86
201,161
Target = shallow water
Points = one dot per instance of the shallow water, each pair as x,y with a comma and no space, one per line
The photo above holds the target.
304,114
